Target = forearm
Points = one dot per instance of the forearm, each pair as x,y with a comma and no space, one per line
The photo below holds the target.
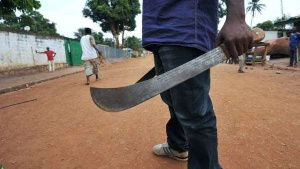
235,34
95,47
93,43
235,10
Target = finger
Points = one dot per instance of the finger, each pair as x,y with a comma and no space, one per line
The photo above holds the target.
220,39
231,47
225,50
250,43
240,47
245,46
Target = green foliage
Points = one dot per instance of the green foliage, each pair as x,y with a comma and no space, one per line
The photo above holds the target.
79,33
222,8
254,6
266,26
133,55
36,21
109,42
97,35
10,21
114,16
9,7
134,43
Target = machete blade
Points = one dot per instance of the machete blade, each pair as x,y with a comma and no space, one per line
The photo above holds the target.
122,98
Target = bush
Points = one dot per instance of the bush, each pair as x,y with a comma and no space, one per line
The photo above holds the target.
133,55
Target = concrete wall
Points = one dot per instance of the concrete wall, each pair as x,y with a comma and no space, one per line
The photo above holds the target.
18,50
270,35
112,54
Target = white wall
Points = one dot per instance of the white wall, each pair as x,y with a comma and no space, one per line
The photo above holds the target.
270,35
18,50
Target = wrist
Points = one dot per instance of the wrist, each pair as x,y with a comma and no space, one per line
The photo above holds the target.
234,17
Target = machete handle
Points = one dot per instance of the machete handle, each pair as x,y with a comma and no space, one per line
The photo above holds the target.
258,35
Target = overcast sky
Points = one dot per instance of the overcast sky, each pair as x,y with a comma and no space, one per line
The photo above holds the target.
67,14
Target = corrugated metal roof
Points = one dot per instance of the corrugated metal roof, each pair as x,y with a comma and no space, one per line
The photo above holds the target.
288,21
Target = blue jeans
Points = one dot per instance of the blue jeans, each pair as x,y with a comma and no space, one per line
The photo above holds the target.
192,124
293,57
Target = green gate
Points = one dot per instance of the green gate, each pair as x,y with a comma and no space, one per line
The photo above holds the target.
73,52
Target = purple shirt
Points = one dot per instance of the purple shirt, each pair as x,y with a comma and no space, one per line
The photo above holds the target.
191,23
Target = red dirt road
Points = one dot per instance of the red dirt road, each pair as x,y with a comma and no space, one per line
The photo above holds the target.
258,120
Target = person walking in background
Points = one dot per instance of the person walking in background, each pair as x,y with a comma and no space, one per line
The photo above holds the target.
297,55
294,42
90,55
298,52
50,55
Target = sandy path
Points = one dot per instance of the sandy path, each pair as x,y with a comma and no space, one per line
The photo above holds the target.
258,119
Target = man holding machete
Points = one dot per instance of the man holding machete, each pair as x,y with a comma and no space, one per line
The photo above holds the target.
177,32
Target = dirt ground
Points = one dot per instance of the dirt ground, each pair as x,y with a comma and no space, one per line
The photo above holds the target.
258,121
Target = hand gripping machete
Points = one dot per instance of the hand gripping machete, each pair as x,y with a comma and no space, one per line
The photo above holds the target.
122,98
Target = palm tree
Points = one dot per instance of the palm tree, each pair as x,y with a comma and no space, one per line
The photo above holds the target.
254,6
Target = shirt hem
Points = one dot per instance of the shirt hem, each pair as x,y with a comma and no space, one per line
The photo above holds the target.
204,49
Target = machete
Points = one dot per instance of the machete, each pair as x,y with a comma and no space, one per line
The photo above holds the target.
122,98
150,74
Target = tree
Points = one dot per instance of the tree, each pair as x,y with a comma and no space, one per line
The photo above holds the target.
222,9
97,35
109,42
254,6
34,19
9,7
114,16
266,26
128,17
39,24
12,20
79,33
134,43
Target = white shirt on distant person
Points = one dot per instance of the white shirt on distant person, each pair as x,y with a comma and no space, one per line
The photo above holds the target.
88,51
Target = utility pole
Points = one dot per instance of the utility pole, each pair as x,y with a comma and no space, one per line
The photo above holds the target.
282,15
281,10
